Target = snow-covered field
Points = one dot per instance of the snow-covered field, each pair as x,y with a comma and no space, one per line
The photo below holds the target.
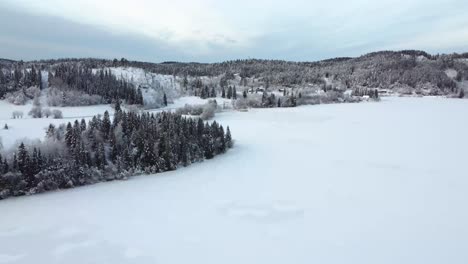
348,183
35,128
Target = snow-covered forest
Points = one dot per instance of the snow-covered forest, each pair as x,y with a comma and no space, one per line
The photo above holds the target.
92,81
103,149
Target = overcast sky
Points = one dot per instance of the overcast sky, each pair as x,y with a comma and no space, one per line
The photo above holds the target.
218,30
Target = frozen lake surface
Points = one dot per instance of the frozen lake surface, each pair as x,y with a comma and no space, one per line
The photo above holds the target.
350,183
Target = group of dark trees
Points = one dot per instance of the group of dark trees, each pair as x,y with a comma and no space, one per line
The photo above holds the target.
206,92
18,79
102,83
230,94
108,148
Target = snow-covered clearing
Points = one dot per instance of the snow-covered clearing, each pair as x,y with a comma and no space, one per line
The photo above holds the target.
35,128
348,183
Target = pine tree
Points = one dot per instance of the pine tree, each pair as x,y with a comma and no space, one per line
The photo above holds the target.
117,107
165,99
202,93
222,140
279,102
244,94
114,148
5,127
213,92
149,156
208,142
229,93
228,138
35,163
139,97
100,159
106,126
223,92
165,149
23,159
83,125
185,82
69,136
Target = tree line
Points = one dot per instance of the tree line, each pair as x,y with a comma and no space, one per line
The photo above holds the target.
108,148
102,83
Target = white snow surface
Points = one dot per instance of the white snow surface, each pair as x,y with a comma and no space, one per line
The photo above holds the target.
451,73
348,183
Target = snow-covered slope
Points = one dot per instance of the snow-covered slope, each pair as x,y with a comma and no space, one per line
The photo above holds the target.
349,183
153,85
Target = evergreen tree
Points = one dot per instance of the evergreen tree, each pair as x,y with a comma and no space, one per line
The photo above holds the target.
213,92
69,136
228,138
165,99
23,159
118,107
106,126
229,93
149,157
39,81
100,159
83,125
185,82
139,97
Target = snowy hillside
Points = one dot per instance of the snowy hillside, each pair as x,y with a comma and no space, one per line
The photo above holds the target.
153,85
349,183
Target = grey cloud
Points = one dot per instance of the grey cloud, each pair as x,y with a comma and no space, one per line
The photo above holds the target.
28,36
32,36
